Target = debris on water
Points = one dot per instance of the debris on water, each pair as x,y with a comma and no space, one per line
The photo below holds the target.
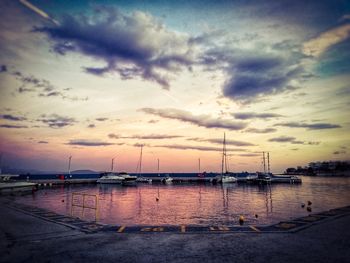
309,209
302,205
309,202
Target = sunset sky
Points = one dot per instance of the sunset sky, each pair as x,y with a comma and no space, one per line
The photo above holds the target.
96,79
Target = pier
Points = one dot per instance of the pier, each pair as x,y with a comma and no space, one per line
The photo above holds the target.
42,239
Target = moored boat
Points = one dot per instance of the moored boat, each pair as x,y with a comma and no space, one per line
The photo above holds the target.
110,178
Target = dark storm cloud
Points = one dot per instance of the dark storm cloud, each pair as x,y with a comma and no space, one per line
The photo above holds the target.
252,115
56,121
93,143
309,126
135,45
256,77
9,126
10,117
199,120
255,130
199,148
145,137
291,140
220,141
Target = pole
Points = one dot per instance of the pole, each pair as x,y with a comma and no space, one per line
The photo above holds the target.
141,161
69,162
268,162
223,156
158,167
199,165
112,165
264,164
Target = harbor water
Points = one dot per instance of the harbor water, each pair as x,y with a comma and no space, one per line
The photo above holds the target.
194,204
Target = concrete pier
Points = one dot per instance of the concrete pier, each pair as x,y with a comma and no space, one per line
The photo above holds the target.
27,238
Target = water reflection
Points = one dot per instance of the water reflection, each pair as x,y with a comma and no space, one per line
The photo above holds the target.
201,204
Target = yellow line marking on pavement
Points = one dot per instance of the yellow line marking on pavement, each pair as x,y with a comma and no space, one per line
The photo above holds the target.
255,229
183,229
121,229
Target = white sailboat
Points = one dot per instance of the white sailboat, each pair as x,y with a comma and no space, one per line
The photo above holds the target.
141,179
111,177
225,177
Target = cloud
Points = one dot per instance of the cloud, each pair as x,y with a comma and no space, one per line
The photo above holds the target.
91,126
339,152
101,119
133,45
3,68
252,115
285,139
9,126
43,142
56,121
93,143
259,76
42,87
317,46
144,137
220,141
199,148
309,126
10,117
199,120
291,140
255,130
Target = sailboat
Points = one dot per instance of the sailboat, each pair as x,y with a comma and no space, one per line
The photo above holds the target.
225,177
141,179
111,177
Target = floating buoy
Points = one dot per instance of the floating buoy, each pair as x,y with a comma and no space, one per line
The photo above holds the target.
62,200
302,205
309,202
309,209
157,199
241,220
256,216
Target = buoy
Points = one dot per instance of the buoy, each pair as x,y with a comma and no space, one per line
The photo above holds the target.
62,200
241,220
157,199
256,216
309,209
309,202
302,205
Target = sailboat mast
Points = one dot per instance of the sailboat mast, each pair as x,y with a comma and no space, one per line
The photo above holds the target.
69,162
268,162
264,164
199,165
112,164
223,155
158,167
141,161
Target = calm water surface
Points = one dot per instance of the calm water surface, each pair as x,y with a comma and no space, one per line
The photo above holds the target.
196,204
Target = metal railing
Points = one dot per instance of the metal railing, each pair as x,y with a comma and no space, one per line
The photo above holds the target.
83,203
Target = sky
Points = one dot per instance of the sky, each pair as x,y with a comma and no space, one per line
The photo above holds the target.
95,80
